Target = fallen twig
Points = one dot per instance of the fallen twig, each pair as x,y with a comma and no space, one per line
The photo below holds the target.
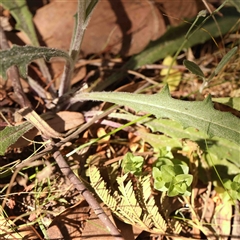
79,185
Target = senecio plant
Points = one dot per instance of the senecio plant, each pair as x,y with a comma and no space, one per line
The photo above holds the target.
172,178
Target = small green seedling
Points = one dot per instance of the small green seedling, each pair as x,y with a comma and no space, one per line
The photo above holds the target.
132,164
168,177
232,188
172,178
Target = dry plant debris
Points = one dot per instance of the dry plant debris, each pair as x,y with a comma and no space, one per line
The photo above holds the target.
34,192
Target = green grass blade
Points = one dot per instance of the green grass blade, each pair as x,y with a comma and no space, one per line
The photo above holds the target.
225,60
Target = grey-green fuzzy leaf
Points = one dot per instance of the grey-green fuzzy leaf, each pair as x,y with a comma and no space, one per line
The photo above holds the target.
221,147
22,56
198,114
10,134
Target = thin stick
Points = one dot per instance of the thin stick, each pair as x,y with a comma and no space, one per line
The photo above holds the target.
68,138
79,185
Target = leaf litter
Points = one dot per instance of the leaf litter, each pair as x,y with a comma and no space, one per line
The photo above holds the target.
59,192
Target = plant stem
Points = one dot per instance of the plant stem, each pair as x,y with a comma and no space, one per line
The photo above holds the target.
85,9
13,75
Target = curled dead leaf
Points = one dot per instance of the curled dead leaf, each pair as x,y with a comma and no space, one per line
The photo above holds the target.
60,122
100,133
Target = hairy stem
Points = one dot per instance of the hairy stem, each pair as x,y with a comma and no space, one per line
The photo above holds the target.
85,9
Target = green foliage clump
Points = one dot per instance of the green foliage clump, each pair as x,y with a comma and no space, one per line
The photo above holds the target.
132,164
173,179
168,176
232,188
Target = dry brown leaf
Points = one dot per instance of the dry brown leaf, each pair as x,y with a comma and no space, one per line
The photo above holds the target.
94,228
79,74
32,117
178,10
61,122
126,27
100,133
92,232
70,223
55,23
66,120
119,26
127,231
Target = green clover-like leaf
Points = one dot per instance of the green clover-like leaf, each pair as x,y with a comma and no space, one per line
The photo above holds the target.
132,164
